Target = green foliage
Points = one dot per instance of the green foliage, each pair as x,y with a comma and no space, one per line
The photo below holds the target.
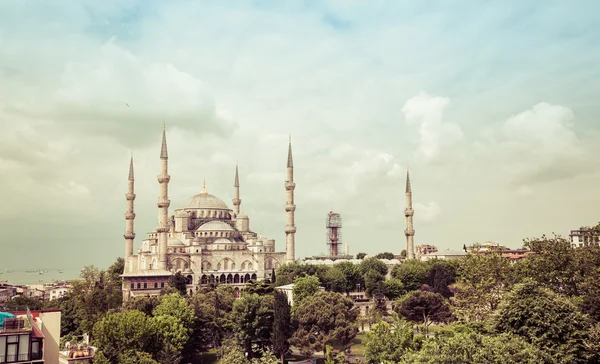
235,355
361,255
393,289
119,332
372,264
352,274
460,345
144,304
135,357
544,319
305,287
335,280
253,320
332,358
441,275
212,317
412,273
287,273
374,283
390,342
179,282
176,306
483,280
172,337
261,288
282,325
424,307
21,303
385,255
327,318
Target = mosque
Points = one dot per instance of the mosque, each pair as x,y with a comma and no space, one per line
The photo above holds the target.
204,239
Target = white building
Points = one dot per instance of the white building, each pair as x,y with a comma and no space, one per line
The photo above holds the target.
204,239
585,236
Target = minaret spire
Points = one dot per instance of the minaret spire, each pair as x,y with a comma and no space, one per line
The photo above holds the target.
129,214
236,192
409,232
163,203
290,226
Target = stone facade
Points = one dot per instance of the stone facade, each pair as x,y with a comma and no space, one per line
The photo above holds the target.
204,239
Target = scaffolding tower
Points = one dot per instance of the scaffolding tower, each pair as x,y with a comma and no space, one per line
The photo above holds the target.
334,233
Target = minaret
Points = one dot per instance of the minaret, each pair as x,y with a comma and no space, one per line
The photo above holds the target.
290,227
236,193
409,212
129,214
163,204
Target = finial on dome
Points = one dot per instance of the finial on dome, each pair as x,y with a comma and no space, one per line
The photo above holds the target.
204,187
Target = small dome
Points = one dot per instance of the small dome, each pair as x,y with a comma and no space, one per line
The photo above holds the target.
205,201
215,225
175,242
222,241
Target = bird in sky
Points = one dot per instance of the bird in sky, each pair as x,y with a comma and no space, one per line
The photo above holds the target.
127,104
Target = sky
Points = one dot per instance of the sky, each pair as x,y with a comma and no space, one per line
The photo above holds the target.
493,106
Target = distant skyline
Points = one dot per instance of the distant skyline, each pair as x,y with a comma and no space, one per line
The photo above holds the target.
493,106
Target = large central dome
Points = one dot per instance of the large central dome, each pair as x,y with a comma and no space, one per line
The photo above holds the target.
204,200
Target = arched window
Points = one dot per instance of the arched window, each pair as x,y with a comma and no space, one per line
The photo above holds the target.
254,277
229,278
236,278
222,279
246,278
203,280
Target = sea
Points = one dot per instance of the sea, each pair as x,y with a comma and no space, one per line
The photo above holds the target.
33,276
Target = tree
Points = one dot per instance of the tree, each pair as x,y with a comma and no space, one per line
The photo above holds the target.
288,272
403,253
22,303
335,280
253,320
374,283
393,289
282,325
352,274
144,304
442,274
213,323
305,287
120,332
179,282
544,319
424,307
172,337
327,318
176,306
484,279
388,343
261,288
462,345
361,255
385,255
372,264
412,273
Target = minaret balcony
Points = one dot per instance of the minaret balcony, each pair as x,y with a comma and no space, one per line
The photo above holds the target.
162,229
290,208
290,229
130,196
129,215
409,212
163,202
290,186
129,236
236,201
163,178
410,232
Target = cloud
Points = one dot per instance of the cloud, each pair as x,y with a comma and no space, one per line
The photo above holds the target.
435,135
427,212
539,145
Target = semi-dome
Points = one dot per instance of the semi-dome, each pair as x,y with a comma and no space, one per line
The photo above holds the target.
205,201
222,241
215,225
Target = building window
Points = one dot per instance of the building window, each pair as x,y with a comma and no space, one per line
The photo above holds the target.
139,285
155,285
162,284
132,286
145,285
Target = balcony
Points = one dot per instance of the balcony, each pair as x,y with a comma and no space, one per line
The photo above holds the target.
17,358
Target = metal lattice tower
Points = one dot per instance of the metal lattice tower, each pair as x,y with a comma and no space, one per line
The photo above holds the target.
333,225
